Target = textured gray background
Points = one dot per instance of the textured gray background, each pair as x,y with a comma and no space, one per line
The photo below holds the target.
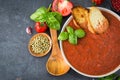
15,61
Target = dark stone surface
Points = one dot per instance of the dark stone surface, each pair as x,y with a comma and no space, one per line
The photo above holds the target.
15,61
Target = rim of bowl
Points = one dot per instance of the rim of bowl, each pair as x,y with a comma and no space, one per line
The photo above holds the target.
84,74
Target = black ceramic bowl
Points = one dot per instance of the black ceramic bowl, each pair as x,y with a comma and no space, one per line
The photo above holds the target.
115,6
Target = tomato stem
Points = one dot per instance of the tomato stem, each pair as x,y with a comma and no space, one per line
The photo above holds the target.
41,23
93,4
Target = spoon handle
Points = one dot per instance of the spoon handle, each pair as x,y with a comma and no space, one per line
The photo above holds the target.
55,49
54,36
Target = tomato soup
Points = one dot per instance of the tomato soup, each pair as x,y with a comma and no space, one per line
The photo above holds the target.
96,54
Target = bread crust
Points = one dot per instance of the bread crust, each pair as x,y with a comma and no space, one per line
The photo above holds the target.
98,21
80,16
92,19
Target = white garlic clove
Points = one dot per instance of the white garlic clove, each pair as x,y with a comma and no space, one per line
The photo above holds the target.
29,30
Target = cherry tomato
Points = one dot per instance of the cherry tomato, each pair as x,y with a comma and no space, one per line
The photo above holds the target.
62,6
40,27
97,2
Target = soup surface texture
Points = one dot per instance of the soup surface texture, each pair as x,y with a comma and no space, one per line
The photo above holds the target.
96,54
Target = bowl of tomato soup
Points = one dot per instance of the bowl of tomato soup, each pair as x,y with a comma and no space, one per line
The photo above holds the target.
95,55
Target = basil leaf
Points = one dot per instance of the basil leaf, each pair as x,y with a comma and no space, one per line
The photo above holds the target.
58,17
35,16
63,36
110,77
118,78
80,33
53,19
70,30
105,78
42,10
39,18
52,22
72,38
42,18
39,15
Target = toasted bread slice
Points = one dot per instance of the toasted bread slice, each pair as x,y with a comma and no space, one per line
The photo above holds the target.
80,16
98,22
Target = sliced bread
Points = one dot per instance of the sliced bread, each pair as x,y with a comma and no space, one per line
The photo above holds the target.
98,22
80,16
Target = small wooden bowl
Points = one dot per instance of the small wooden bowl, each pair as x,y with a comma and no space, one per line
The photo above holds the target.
30,46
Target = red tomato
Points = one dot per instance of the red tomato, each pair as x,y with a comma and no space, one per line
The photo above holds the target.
97,2
62,6
40,27
55,5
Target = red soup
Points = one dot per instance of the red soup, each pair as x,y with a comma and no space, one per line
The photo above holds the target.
96,54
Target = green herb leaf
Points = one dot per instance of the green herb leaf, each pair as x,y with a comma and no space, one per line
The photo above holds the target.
41,18
80,33
39,15
63,36
52,22
58,17
70,30
72,38
53,19
118,78
35,16
93,4
49,7
42,10
110,77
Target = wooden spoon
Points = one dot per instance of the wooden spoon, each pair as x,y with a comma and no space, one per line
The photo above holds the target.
56,65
